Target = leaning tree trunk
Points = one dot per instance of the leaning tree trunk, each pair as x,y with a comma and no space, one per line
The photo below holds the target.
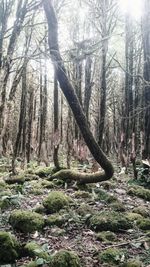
74,103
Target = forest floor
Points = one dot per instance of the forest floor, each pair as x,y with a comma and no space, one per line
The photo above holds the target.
120,196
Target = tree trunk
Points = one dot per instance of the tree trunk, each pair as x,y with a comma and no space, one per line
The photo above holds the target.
146,47
73,101
56,121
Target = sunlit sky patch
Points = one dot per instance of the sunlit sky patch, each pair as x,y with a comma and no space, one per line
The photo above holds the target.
133,7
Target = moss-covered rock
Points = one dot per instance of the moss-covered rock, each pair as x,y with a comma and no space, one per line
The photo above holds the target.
111,256
34,250
26,221
64,258
106,197
47,184
84,209
109,221
54,219
144,224
139,192
106,236
117,206
43,171
141,210
55,201
8,248
40,209
131,216
132,263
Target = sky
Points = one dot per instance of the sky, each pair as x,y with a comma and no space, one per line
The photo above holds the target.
133,7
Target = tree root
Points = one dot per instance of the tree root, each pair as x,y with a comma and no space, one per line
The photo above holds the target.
81,178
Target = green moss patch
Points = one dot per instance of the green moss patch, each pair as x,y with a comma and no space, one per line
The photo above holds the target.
139,192
34,250
141,210
55,201
112,256
106,197
40,209
54,219
26,221
64,258
43,171
109,221
131,216
144,224
21,178
132,263
84,209
106,236
47,184
117,206
8,248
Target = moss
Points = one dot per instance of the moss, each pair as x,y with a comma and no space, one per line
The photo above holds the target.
139,192
47,184
36,191
59,182
5,204
40,209
141,210
5,193
34,250
133,216
43,171
144,224
3,185
106,236
26,221
8,248
118,206
21,178
54,219
64,258
84,209
109,221
112,256
55,201
132,263
106,197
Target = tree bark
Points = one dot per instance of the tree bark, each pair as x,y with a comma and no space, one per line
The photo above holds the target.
73,101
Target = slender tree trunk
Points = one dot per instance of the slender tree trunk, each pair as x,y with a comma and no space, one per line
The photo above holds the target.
22,117
88,86
56,122
146,48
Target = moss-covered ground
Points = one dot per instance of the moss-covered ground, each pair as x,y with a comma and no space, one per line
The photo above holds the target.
66,225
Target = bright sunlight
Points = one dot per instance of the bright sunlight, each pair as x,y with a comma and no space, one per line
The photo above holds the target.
133,7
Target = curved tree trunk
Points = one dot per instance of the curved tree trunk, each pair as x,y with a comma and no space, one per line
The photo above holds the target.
74,103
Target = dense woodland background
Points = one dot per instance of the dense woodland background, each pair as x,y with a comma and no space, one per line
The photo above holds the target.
75,112
106,53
